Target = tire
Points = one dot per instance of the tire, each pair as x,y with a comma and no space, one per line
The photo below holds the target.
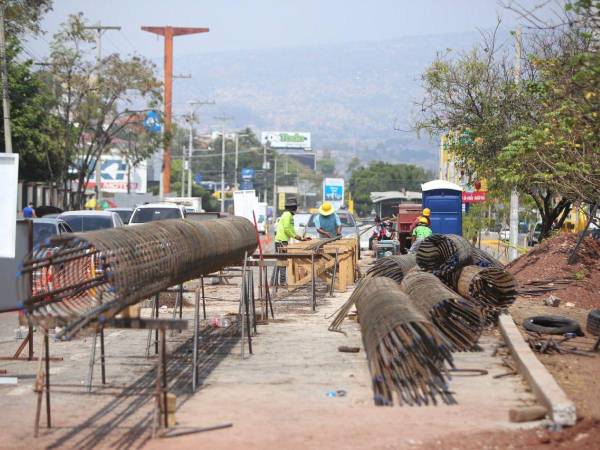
593,322
552,325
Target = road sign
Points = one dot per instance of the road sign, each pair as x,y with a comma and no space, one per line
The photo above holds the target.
246,185
152,122
198,178
474,197
247,173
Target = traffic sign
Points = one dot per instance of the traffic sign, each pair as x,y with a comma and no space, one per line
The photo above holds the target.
152,122
198,178
247,173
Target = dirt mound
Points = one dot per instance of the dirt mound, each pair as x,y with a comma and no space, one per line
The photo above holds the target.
545,270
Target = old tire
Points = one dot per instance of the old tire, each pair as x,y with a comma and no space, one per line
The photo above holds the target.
552,325
593,322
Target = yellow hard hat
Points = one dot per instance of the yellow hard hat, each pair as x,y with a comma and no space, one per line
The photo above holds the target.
326,209
423,220
426,212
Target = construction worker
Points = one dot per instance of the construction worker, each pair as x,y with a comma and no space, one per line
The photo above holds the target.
420,232
426,214
285,231
327,222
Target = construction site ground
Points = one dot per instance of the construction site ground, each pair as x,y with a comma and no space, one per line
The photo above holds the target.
275,398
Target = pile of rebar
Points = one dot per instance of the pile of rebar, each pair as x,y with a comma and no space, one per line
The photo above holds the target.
394,267
458,320
405,353
85,278
443,254
493,288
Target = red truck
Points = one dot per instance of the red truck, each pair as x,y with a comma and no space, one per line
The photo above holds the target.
407,214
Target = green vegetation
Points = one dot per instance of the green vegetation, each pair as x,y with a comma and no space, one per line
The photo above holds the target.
381,176
540,133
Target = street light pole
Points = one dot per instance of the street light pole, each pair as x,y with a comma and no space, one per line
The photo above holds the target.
514,195
237,147
224,119
5,98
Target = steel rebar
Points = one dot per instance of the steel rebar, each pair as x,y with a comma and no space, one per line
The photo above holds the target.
458,320
442,254
394,267
492,288
84,278
406,355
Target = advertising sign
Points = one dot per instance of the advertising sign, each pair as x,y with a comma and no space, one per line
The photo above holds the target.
286,139
9,180
474,197
247,173
333,191
114,174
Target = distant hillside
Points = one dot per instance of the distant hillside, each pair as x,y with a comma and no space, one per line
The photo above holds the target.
349,96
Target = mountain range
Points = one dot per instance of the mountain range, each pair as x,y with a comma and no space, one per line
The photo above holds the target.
355,98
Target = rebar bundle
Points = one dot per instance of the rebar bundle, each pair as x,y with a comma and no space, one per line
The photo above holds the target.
494,289
458,320
482,258
442,254
394,267
83,278
406,355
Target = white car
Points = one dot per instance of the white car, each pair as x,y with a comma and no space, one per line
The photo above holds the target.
87,220
157,211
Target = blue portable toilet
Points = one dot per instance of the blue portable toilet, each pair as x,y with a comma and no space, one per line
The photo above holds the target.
444,199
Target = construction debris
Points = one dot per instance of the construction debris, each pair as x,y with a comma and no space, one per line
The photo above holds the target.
83,278
405,353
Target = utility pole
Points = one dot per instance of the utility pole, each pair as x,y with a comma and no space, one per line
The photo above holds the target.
265,166
168,33
99,29
191,142
237,149
224,119
5,98
514,195
274,188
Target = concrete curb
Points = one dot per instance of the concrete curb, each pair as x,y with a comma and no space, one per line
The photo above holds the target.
543,384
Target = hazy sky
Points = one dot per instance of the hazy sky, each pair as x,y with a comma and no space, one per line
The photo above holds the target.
250,24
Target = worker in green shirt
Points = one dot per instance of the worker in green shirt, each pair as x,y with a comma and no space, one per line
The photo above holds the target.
286,231
420,232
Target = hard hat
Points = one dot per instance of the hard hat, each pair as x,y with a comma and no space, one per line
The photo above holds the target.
426,212
326,209
423,220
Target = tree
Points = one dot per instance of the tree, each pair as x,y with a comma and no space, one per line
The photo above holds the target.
475,99
381,176
353,165
24,15
92,100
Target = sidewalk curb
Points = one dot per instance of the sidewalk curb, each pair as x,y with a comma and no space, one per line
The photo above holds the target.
543,384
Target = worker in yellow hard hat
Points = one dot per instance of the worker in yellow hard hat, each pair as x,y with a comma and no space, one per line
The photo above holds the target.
327,222
420,232
425,214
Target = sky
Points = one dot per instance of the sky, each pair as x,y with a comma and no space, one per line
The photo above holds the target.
255,24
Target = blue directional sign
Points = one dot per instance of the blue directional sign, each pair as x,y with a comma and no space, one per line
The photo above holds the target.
198,178
247,173
152,122
246,185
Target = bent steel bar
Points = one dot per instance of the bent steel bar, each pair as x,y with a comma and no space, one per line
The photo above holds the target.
405,353
458,320
84,278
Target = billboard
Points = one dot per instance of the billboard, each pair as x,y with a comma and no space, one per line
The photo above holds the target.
286,139
114,176
9,181
333,191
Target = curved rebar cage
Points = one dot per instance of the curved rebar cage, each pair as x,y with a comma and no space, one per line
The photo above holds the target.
442,254
458,320
494,289
394,267
82,278
405,353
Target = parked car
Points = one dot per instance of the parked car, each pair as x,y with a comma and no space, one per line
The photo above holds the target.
124,213
44,228
349,226
91,220
504,234
535,234
157,211
300,222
